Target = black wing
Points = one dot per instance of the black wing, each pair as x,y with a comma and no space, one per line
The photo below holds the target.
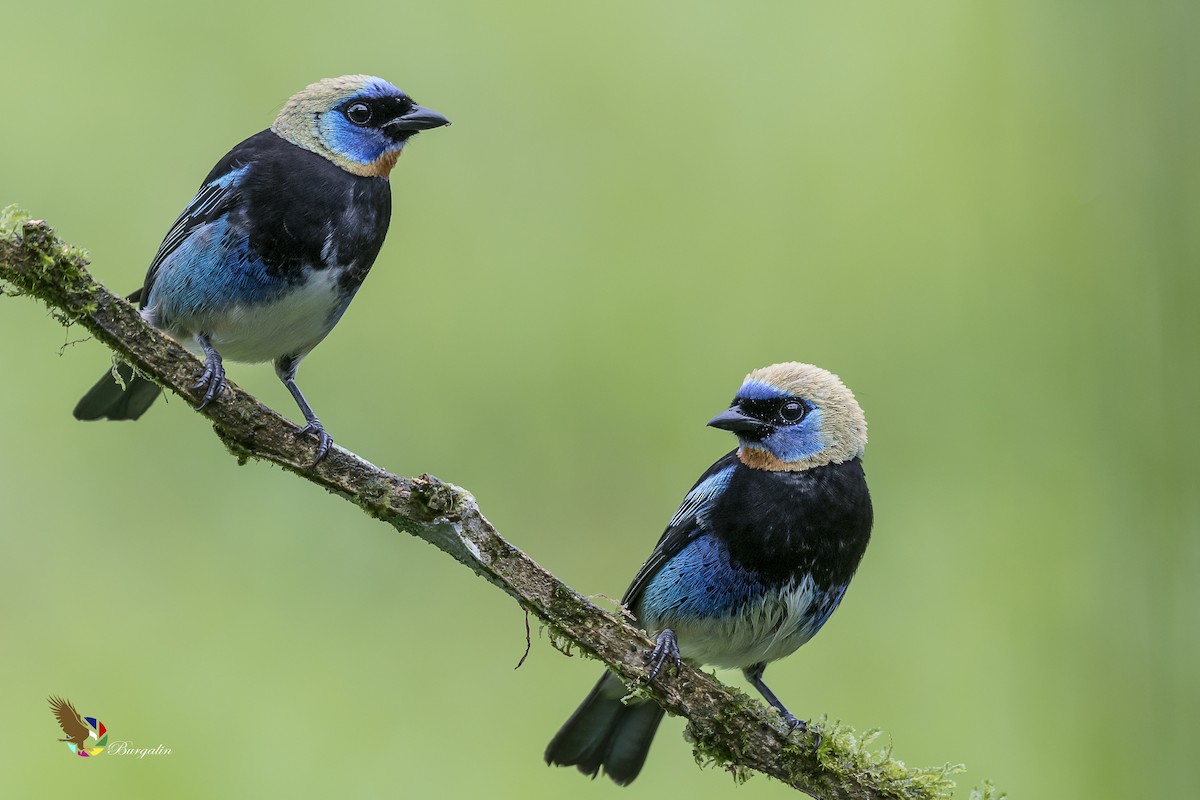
687,523
218,196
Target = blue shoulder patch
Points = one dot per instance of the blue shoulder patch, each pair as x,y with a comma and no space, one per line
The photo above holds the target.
209,204
702,494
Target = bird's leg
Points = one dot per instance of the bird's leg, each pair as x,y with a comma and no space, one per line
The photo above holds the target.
285,368
212,380
666,648
754,674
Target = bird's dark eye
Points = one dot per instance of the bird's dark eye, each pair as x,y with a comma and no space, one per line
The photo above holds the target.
359,113
792,411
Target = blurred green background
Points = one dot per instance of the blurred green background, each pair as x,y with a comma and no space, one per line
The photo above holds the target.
983,216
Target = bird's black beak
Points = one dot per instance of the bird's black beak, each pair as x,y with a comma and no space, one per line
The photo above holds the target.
734,420
418,118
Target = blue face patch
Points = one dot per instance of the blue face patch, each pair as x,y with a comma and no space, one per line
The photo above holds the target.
796,442
362,145
786,442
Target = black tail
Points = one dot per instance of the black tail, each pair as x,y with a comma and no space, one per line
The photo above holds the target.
604,732
107,400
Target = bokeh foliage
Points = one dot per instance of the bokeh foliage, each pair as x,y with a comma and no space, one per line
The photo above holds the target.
982,215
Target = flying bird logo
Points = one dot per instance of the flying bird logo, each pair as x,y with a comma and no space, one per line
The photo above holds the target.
79,729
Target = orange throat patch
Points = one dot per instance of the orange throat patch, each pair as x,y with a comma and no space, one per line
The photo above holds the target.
379,168
761,458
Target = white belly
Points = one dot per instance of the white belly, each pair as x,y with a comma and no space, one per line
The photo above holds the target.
762,632
290,325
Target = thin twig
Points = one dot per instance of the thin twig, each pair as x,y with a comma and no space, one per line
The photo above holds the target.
528,641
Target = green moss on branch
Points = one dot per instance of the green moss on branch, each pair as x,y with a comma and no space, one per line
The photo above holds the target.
727,728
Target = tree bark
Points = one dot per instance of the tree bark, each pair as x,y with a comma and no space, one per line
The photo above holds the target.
726,727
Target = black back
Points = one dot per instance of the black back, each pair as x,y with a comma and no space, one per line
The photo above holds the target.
288,205
779,524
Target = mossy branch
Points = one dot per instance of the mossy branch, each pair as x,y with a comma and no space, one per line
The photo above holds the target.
725,727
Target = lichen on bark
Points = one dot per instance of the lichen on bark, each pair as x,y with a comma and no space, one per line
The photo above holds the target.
727,728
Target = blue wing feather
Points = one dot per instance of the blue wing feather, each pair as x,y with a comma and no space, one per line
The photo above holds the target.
215,200
687,523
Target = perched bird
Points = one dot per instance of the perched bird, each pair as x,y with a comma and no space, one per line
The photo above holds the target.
265,259
752,564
